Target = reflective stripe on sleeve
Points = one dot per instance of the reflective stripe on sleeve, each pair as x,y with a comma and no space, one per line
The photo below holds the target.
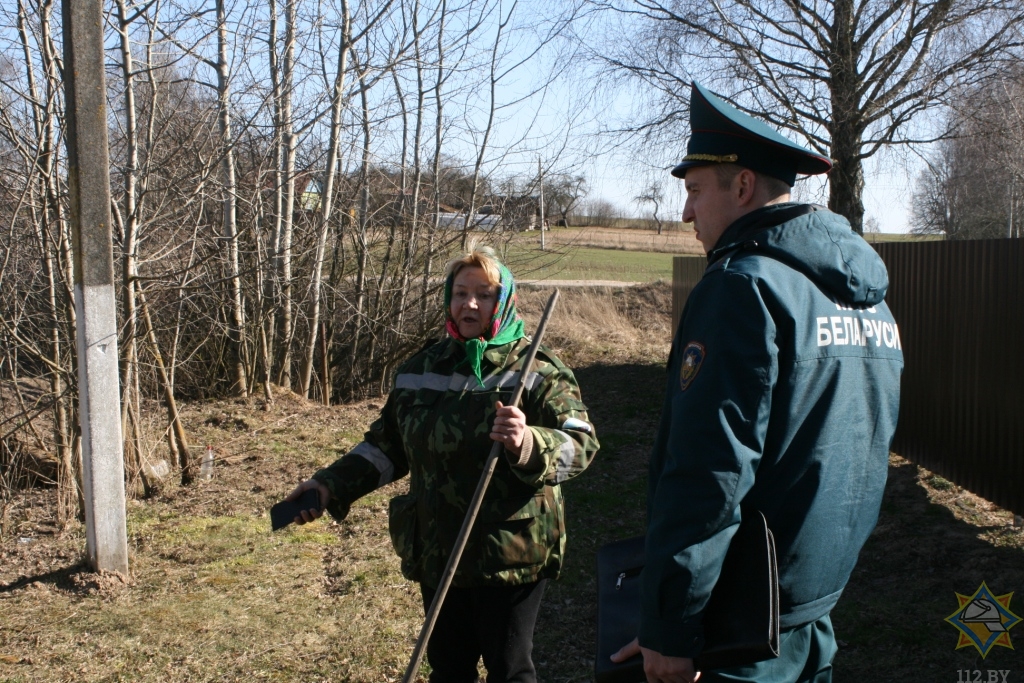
459,382
566,456
376,458
427,380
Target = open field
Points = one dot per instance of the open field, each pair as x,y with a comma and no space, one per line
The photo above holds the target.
677,241
215,596
588,263
616,254
631,239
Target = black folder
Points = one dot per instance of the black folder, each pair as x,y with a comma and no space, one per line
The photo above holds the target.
741,621
618,609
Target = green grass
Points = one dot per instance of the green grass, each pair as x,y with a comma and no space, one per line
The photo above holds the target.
901,237
218,600
626,222
585,263
528,262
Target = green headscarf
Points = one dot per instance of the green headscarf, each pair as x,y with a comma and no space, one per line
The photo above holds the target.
506,325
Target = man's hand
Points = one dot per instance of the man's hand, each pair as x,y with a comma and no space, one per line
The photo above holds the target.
661,669
627,651
658,668
325,496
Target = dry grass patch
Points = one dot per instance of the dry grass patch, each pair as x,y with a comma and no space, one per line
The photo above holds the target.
604,324
213,594
630,239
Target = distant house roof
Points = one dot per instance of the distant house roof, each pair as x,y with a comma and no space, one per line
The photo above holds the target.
309,198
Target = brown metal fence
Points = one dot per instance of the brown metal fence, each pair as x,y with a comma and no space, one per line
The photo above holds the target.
960,309
686,273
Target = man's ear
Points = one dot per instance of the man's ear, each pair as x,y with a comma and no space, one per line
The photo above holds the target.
745,186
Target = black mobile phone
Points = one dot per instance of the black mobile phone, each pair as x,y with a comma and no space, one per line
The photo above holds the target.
284,513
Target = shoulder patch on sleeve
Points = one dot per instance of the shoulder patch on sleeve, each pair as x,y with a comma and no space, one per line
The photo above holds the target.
693,357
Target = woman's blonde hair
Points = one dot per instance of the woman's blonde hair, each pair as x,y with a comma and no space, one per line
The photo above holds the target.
480,257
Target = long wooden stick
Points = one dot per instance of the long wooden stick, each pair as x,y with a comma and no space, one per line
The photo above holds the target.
474,506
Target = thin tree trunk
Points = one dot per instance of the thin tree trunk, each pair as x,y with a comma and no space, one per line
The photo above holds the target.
176,438
148,486
393,222
287,220
271,291
180,309
264,313
325,364
128,222
410,244
438,138
70,502
359,236
327,195
236,326
491,110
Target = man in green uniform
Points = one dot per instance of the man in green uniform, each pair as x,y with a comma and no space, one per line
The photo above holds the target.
783,395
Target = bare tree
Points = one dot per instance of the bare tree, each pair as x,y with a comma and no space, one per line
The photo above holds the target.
848,77
236,328
127,221
327,197
563,192
971,186
254,201
600,212
40,316
283,83
652,194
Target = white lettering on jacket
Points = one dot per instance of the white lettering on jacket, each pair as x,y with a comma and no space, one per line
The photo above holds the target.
847,330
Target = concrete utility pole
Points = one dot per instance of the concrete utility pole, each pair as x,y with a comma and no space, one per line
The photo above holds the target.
89,194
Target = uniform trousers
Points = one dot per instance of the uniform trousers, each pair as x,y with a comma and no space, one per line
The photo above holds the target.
805,656
493,622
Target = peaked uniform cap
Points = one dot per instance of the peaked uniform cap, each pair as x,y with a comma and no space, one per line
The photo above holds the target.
721,134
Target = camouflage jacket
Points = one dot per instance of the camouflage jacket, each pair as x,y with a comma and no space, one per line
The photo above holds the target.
435,427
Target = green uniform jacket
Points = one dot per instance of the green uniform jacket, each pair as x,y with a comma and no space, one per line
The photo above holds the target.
783,394
435,426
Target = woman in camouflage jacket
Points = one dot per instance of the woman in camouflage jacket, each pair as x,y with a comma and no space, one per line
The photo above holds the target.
447,406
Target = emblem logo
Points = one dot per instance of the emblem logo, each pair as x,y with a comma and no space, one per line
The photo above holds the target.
693,356
984,620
